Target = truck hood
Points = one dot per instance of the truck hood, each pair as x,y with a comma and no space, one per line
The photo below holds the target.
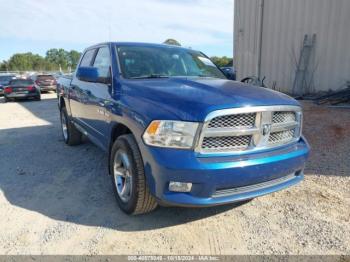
192,99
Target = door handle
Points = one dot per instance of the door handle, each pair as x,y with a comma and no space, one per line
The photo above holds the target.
88,92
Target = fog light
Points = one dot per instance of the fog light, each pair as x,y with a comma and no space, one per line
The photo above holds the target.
180,187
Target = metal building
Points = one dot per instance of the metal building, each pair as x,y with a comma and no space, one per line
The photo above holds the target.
269,41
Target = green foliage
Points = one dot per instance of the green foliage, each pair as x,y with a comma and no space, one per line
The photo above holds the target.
26,61
58,57
171,41
222,61
4,66
73,57
54,60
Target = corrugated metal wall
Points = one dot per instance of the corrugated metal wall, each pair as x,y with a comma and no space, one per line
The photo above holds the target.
284,24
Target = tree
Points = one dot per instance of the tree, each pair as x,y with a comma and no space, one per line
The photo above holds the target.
73,57
59,57
40,64
32,62
25,62
4,66
21,62
171,41
222,61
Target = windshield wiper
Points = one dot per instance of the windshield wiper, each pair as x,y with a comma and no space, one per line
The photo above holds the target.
150,76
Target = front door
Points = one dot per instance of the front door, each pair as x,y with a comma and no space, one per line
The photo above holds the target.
97,96
77,95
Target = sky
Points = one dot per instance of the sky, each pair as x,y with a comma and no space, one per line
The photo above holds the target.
38,25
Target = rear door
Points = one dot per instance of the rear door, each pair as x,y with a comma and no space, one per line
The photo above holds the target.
98,95
77,92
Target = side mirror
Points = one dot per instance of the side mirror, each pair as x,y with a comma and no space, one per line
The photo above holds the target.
88,74
93,74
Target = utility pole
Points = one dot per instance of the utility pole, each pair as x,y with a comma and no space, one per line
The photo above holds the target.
261,29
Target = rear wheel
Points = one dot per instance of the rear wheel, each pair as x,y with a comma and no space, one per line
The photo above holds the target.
128,177
38,98
71,134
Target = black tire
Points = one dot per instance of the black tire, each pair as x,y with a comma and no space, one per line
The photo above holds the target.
140,200
72,136
8,99
38,98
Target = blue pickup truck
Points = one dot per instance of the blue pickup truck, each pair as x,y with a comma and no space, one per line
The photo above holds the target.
176,131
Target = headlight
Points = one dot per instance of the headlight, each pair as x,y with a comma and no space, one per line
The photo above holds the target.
175,134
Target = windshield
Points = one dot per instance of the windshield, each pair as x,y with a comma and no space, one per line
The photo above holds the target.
156,62
21,82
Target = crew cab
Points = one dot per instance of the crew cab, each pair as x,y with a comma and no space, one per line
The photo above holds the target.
177,131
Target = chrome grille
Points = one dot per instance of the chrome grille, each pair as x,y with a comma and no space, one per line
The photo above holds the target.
251,188
240,120
226,142
249,129
282,117
282,136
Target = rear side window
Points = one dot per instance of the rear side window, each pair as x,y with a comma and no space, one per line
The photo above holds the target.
87,58
103,62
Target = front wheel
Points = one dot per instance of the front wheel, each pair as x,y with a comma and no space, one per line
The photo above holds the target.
128,177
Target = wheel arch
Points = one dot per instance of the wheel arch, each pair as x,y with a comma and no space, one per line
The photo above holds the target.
117,130
61,102
64,102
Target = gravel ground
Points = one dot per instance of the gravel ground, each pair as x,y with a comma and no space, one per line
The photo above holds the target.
56,199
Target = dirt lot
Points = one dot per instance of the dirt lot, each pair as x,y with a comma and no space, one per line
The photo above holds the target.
56,199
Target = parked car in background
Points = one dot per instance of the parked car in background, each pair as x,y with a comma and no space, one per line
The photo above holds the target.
46,82
229,72
4,81
177,131
57,75
21,89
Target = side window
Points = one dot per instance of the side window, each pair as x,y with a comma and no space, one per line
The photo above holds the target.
103,62
88,56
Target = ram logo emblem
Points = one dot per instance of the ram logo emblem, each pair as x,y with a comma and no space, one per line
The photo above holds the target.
266,129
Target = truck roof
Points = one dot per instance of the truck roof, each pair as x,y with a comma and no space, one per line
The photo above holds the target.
139,44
